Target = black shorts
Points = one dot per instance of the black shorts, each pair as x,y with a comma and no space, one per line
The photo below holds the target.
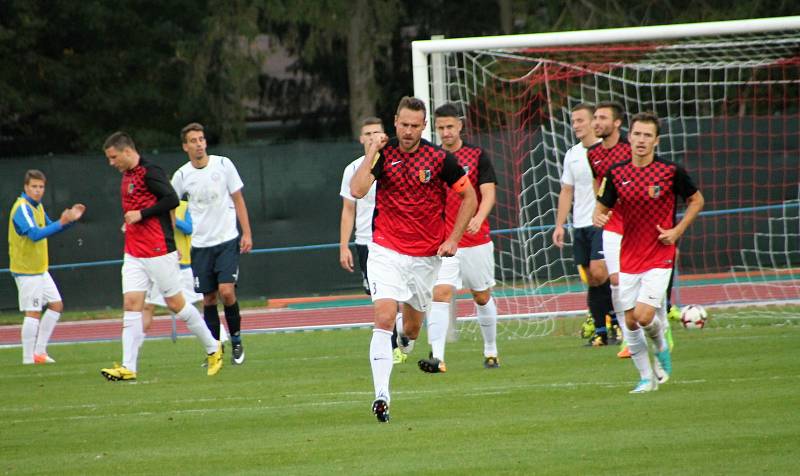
363,254
215,265
587,245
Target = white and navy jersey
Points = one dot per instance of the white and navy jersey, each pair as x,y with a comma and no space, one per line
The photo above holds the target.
208,191
578,174
364,206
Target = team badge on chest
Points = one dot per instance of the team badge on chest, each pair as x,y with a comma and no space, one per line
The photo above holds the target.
130,188
654,191
424,175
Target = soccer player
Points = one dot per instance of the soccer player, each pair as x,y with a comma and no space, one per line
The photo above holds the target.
408,235
645,191
578,191
28,230
214,190
472,267
614,148
183,242
358,212
150,255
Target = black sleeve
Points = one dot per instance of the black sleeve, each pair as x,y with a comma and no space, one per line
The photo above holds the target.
377,167
607,193
157,182
451,171
683,183
485,170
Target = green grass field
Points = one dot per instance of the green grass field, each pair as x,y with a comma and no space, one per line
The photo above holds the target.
301,405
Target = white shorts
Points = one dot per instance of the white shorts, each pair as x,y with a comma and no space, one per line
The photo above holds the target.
154,296
403,278
140,274
611,245
35,291
648,288
471,268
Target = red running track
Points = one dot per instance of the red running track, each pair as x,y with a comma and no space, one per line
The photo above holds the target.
327,317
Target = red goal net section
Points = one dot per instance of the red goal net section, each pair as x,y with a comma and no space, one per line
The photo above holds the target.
728,94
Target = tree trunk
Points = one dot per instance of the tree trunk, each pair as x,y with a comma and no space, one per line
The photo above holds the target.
361,66
506,17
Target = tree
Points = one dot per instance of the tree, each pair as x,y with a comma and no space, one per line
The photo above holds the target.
319,32
83,69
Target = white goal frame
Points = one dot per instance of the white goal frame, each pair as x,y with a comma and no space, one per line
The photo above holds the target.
423,52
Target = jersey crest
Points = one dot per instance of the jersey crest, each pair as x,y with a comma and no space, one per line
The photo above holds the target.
654,191
424,175
130,188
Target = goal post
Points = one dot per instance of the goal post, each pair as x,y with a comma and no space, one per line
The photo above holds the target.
728,94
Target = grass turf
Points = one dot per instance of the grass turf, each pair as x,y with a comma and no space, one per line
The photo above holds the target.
302,405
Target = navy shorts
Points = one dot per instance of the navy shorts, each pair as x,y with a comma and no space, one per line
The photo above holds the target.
215,265
587,245
363,254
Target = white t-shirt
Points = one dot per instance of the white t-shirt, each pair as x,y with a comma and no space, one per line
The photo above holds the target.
364,206
208,191
578,174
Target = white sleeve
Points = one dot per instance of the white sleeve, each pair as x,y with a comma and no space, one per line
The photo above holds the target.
567,178
177,183
234,182
347,176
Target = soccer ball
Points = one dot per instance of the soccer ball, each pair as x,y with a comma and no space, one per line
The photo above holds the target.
693,317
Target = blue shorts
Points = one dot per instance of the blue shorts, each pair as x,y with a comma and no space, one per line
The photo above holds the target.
587,245
215,265
363,254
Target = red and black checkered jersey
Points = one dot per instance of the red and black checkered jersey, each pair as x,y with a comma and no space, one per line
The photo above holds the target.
410,197
602,159
479,169
647,196
146,188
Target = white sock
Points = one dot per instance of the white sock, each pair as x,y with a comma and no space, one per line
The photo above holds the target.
487,318
637,344
140,340
131,339
197,326
380,358
438,320
655,331
617,306
661,313
46,326
398,324
223,334
30,326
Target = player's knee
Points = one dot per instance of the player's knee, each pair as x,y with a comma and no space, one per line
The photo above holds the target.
442,293
210,299
481,297
175,303
228,295
132,302
597,274
57,306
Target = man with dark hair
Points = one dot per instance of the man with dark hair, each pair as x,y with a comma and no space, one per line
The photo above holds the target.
613,148
28,230
645,190
472,267
578,192
408,238
150,255
213,188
